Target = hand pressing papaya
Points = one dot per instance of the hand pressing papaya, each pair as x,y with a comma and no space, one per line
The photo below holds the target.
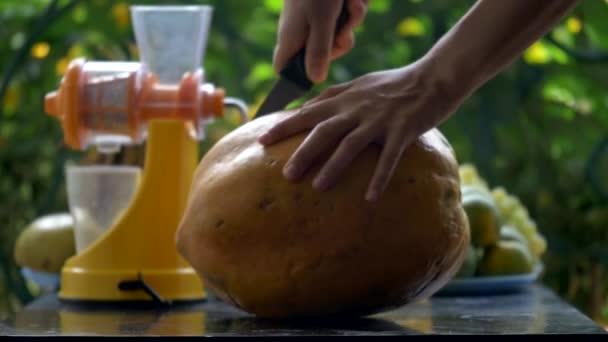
392,108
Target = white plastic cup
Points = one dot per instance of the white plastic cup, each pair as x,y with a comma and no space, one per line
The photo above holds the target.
97,196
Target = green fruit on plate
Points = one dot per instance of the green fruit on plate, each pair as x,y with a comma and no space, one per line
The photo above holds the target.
506,258
469,265
484,220
46,243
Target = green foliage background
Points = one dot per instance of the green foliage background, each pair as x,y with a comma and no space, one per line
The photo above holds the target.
540,129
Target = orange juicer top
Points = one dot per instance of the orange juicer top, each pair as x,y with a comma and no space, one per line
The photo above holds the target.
111,102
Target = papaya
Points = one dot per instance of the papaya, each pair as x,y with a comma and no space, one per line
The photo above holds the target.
280,249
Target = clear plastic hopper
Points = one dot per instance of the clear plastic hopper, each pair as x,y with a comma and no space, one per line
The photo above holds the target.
108,104
171,39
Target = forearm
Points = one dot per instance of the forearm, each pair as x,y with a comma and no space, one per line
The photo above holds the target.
492,35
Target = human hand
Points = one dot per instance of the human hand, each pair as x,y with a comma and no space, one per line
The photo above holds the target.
390,108
312,23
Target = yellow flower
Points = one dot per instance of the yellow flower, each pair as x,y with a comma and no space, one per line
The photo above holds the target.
41,50
574,25
61,66
11,97
410,27
120,11
76,51
544,199
537,54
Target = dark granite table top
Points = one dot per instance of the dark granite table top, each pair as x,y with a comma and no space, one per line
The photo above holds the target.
534,311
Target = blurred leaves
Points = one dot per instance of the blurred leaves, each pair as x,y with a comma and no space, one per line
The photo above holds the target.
260,73
379,6
596,25
273,6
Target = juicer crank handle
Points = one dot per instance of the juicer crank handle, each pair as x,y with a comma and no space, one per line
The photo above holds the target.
140,284
295,70
231,102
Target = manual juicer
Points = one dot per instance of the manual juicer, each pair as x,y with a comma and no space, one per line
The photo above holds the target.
164,101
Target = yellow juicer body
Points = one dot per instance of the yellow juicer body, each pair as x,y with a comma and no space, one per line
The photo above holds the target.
141,244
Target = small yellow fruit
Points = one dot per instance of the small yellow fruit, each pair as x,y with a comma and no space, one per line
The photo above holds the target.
499,194
469,176
524,225
46,243
538,245
508,206
506,258
521,211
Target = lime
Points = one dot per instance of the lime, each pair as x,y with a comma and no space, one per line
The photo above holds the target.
506,258
484,220
469,265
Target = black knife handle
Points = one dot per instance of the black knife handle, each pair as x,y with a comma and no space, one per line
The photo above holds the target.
296,68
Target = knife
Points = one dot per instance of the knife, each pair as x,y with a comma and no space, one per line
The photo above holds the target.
293,82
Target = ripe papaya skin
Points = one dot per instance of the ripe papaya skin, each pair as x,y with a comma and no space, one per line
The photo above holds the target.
281,250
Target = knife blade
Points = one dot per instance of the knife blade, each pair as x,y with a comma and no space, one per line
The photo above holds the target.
293,82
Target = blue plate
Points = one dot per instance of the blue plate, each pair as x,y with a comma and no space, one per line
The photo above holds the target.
477,286
46,281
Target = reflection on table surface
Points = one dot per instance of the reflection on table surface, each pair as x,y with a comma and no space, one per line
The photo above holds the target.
535,311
